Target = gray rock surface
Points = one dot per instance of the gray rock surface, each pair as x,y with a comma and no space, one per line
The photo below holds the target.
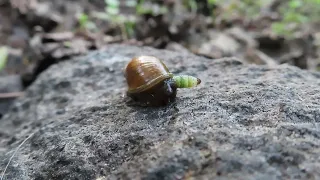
243,122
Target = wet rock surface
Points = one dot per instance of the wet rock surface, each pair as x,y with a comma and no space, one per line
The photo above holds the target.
242,122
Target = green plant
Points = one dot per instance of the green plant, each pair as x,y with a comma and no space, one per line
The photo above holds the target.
85,23
192,4
112,14
234,8
295,14
112,7
211,2
3,57
83,20
149,8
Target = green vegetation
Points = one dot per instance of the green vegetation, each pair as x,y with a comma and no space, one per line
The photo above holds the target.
112,14
293,14
144,7
85,23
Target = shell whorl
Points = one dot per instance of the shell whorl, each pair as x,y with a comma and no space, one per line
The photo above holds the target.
144,72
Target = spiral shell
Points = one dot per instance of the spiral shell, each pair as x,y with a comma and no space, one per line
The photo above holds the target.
144,72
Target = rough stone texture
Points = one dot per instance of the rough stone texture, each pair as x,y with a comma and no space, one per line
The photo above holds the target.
243,122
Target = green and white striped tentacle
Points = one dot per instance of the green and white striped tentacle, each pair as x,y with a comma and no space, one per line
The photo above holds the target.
186,81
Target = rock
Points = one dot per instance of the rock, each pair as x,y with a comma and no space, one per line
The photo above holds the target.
242,122
242,36
46,49
219,45
173,46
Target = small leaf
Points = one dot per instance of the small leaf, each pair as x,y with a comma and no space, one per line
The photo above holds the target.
83,19
278,28
67,44
112,10
3,57
295,3
212,2
113,3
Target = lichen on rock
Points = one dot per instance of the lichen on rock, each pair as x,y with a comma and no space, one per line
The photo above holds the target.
242,122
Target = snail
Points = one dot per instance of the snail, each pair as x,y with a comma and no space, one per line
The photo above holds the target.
151,83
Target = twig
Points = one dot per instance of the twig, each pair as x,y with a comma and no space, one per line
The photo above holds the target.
260,57
266,59
10,95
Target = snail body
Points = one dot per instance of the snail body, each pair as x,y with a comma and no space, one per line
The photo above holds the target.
150,82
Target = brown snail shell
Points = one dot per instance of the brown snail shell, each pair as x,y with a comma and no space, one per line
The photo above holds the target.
149,81
144,72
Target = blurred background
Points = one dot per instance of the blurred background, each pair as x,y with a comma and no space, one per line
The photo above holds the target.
34,34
